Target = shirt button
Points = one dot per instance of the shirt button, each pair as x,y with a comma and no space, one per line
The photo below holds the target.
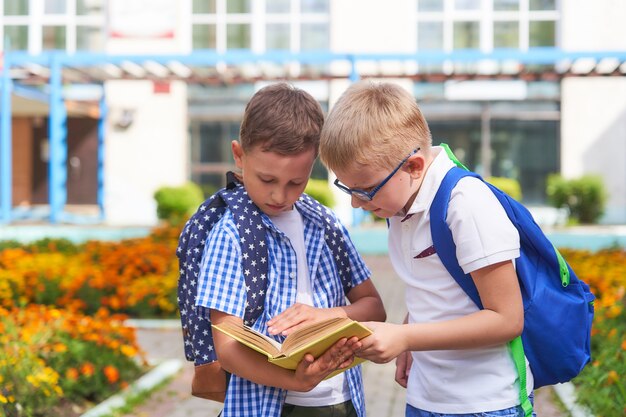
292,275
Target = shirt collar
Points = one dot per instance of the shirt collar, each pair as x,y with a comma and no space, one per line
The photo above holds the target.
438,168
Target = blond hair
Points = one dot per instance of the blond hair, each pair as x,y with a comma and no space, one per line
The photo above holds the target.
373,123
283,119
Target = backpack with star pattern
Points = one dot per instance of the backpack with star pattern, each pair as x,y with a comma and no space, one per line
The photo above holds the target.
210,380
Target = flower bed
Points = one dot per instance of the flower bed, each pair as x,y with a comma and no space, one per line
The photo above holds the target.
62,306
601,387
53,361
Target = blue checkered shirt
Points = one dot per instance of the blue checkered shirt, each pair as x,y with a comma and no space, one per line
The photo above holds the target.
221,286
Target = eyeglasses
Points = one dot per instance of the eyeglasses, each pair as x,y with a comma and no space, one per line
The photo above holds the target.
369,195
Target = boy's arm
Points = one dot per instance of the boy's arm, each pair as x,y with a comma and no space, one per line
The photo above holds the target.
501,320
237,359
365,305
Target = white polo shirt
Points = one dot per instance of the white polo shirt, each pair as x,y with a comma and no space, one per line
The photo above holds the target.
454,381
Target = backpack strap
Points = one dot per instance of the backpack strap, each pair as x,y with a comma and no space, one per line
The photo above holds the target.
446,250
252,234
197,335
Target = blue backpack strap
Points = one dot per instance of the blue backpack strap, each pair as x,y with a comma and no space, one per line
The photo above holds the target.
197,335
252,234
198,341
446,250
442,236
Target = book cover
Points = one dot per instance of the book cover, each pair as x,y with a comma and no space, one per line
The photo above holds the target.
314,339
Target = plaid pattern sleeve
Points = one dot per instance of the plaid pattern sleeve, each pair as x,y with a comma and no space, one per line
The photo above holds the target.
221,285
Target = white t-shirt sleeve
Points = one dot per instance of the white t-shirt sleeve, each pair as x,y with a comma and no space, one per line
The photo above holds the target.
480,227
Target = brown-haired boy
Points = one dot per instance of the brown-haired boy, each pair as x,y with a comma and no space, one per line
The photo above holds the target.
278,145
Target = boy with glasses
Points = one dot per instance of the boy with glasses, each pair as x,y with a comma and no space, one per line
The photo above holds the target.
451,356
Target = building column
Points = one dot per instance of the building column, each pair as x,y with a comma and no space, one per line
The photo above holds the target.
6,177
57,131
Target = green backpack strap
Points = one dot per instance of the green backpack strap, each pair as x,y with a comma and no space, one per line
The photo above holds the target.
452,157
515,346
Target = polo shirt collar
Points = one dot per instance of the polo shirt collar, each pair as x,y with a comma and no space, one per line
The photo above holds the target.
438,168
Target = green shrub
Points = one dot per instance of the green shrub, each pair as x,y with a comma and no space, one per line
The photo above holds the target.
320,190
585,197
509,185
175,204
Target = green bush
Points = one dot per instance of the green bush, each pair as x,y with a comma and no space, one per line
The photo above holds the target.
175,204
509,185
585,197
319,190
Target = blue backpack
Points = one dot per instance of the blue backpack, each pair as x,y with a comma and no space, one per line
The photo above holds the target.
558,307
196,325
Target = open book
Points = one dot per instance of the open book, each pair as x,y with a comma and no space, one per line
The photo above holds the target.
314,339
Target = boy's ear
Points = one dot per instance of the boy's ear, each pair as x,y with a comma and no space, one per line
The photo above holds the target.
415,166
237,153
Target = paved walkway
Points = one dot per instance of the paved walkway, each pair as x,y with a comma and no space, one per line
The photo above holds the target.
384,398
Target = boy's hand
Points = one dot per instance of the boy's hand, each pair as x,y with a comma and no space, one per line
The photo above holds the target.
299,315
311,371
387,342
403,366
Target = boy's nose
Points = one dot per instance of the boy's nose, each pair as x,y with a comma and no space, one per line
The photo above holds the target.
279,196
356,202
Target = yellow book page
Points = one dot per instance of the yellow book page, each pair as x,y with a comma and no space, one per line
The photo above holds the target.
318,345
249,337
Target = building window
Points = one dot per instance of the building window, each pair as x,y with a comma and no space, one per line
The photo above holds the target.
430,36
467,4
53,37
238,36
54,7
89,38
542,33
238,6
277,36
88,7
15,7
314,6
542,5
203,37
506,34
447,25
466,35
292,25
17,36
501,5
430,5
278,6
203,6
314,36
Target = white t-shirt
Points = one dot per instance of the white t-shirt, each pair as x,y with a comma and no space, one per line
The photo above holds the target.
334,390
454,381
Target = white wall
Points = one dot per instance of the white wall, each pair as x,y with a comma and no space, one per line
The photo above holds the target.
593,136
596,25
153,151
593,125
150,153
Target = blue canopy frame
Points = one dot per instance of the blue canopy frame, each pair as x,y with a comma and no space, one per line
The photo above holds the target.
56,61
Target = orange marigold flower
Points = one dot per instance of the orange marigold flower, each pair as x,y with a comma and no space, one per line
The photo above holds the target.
624,344
612,377
87,369
111,373
72,374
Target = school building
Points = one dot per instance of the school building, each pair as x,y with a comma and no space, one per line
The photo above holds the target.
104,101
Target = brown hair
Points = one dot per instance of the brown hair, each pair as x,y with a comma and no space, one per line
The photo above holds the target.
373,124
283,119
